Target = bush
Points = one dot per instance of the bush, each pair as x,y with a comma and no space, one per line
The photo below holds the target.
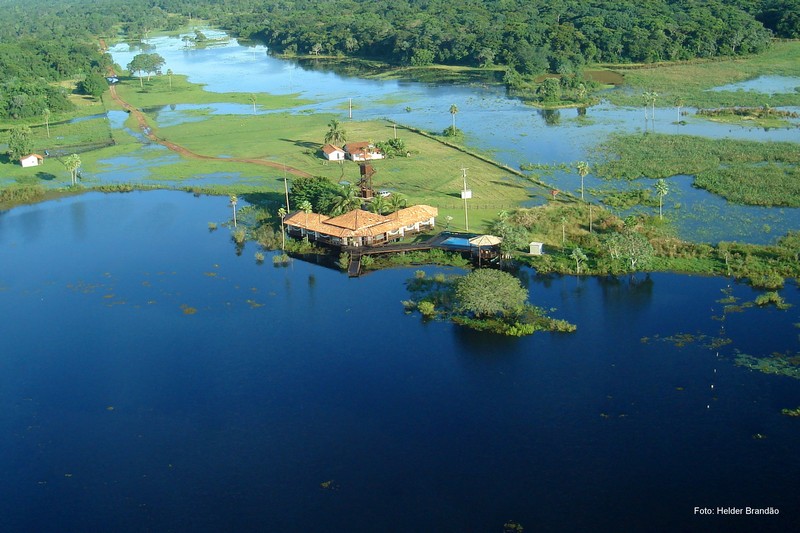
426,308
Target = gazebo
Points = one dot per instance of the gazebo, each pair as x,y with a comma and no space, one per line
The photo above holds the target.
485,246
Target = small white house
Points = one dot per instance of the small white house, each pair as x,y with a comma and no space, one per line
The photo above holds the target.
333,153
32,160
537,248
362,151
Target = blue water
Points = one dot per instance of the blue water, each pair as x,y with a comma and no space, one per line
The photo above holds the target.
764,84
457,241
124,413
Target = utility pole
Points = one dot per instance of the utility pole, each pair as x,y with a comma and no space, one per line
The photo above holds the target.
286,187
465,194
350,108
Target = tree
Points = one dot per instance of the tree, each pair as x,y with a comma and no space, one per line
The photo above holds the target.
233,201
138,64
454,112
379,205
305,207
253,101
145,63
631,247
583,170
662,189
579,257
650,98
282,215
20,142
397,202
549,90
487,292
346,200
93,84
169,75
73,163
336,135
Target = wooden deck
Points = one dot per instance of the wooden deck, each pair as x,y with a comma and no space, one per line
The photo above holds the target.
357,252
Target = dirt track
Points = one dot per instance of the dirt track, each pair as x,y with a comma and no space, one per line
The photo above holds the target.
147,131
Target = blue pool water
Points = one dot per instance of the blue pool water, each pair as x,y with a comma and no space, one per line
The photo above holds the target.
461,242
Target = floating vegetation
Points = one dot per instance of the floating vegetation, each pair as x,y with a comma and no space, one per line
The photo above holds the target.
212,226
280,260
210,274
188,310
512,527
771,298
681,340
791,412
254,304
329,485
784,364
259,257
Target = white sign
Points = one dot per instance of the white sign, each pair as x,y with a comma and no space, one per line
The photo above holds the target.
466,194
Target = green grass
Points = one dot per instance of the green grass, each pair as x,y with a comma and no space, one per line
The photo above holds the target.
746,172
690,81
431,175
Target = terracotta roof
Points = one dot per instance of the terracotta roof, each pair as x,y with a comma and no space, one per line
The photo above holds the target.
356,219
357,146
37,156
360,223
330,148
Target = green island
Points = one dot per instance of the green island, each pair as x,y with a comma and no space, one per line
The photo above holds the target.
263,158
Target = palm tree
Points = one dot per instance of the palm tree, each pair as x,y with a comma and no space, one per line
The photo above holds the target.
73,163
282,215
650,99
336,135
662,189
453,112
305,207
234,200
397,202
46,115
583,170
253,101
346,200
379,205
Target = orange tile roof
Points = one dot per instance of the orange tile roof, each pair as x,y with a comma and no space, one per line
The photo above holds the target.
360,223
330,148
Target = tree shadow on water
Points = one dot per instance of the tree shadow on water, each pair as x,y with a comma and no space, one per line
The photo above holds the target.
46,176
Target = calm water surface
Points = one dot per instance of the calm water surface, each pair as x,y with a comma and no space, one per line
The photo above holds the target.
153,380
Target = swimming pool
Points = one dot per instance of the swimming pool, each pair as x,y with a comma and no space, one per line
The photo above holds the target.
457,242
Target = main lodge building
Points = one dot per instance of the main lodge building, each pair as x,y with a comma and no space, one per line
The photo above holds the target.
359,227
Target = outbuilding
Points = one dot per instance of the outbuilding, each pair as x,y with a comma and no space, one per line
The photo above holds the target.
32,160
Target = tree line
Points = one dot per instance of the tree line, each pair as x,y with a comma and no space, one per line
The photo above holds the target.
530,36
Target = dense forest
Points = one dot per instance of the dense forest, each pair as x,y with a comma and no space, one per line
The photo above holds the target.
529,36
47,41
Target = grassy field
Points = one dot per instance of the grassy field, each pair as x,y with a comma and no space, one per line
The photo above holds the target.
432,174
690,81
746,172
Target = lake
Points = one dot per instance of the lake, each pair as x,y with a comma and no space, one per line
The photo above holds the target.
154,380
510,131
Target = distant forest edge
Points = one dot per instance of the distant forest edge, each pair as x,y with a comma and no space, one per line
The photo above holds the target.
530,36
47,41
